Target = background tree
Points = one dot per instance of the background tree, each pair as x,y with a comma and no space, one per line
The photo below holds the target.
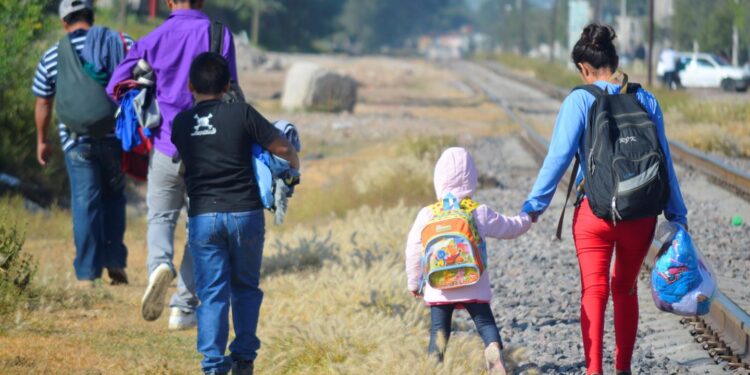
258,7
517,25
389,23
710,24
22,26
300,25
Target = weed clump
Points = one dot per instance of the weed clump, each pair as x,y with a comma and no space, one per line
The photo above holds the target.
307,254
16,272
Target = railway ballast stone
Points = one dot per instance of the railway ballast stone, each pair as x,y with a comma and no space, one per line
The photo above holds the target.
309,86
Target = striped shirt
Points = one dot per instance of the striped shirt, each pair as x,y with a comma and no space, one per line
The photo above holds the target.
45,79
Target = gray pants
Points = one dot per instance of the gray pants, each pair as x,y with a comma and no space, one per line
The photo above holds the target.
165,199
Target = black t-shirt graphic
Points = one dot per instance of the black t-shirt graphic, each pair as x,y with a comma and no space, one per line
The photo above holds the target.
214,140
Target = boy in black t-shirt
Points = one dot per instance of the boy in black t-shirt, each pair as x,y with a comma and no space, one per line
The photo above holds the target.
226,223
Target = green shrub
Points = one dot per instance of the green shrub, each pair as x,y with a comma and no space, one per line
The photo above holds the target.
23,31
16,272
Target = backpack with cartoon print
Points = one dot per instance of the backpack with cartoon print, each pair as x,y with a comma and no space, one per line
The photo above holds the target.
454,254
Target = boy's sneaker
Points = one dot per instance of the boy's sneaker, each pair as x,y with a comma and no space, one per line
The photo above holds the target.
493,359
242,368
117,275
179,320
152,303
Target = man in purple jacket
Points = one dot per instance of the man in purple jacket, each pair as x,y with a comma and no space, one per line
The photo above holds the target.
170,49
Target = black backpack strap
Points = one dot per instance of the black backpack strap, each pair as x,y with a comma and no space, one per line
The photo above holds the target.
633,88
591,89
572,182
217,37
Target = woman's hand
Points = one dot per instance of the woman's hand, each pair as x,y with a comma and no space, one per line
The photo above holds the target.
415,294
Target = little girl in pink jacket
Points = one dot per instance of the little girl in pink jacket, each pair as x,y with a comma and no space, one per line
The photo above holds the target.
455,173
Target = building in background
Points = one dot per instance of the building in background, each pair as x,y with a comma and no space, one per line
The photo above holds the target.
663,12
579,15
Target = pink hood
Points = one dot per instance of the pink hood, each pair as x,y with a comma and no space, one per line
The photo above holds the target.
455,173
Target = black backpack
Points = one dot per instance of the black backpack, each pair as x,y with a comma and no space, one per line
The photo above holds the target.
626,171
81,103
216,35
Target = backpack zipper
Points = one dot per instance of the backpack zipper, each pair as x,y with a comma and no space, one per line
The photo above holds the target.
615,213
595,143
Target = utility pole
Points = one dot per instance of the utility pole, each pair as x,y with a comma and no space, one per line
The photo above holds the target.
256,23
735,38
122,16
650,41
522,8
597,10
553,31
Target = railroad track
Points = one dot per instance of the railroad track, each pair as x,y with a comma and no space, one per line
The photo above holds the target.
726,175
725,332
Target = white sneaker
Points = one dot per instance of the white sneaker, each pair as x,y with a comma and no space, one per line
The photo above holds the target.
179,320
152,303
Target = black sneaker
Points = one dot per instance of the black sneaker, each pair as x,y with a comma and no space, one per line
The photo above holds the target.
118,276
242,367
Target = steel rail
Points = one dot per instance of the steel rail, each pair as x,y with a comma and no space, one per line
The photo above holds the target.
725,331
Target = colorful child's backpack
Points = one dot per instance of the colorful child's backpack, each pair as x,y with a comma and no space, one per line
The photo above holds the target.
681,281
454,253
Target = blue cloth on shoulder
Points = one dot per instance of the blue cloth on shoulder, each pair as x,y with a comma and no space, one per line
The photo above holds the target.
103,48
270,170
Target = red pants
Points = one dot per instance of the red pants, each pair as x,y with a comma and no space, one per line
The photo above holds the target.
595,240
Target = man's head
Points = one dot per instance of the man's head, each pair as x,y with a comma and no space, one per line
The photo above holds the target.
209,75
184,4
76,12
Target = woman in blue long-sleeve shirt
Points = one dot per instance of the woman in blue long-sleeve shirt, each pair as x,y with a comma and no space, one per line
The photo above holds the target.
595,238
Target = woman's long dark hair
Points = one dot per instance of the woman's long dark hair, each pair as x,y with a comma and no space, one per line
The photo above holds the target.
596,47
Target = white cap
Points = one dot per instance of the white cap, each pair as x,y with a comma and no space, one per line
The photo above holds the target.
70,6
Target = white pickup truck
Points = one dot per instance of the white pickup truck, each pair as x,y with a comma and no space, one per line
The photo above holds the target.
709,70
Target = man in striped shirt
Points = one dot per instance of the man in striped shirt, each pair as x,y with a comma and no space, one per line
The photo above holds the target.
93,164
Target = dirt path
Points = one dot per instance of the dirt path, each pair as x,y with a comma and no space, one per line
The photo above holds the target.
309,323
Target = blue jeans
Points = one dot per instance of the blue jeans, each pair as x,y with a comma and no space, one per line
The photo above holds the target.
481,314
97,189
227,250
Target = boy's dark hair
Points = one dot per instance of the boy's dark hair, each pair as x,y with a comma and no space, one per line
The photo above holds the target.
83,15
192,2
209,73
596,47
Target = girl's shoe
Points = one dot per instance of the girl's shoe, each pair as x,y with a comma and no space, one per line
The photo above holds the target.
441,343
494,360
623,372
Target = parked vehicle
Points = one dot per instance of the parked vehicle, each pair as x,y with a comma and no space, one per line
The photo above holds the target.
707,70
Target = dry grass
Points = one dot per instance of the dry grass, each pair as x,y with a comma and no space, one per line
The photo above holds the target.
335,303
336,299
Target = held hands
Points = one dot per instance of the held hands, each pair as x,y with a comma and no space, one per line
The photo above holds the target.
534,216
415,294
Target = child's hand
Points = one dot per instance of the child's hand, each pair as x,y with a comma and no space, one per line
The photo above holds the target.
534,216
415,294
